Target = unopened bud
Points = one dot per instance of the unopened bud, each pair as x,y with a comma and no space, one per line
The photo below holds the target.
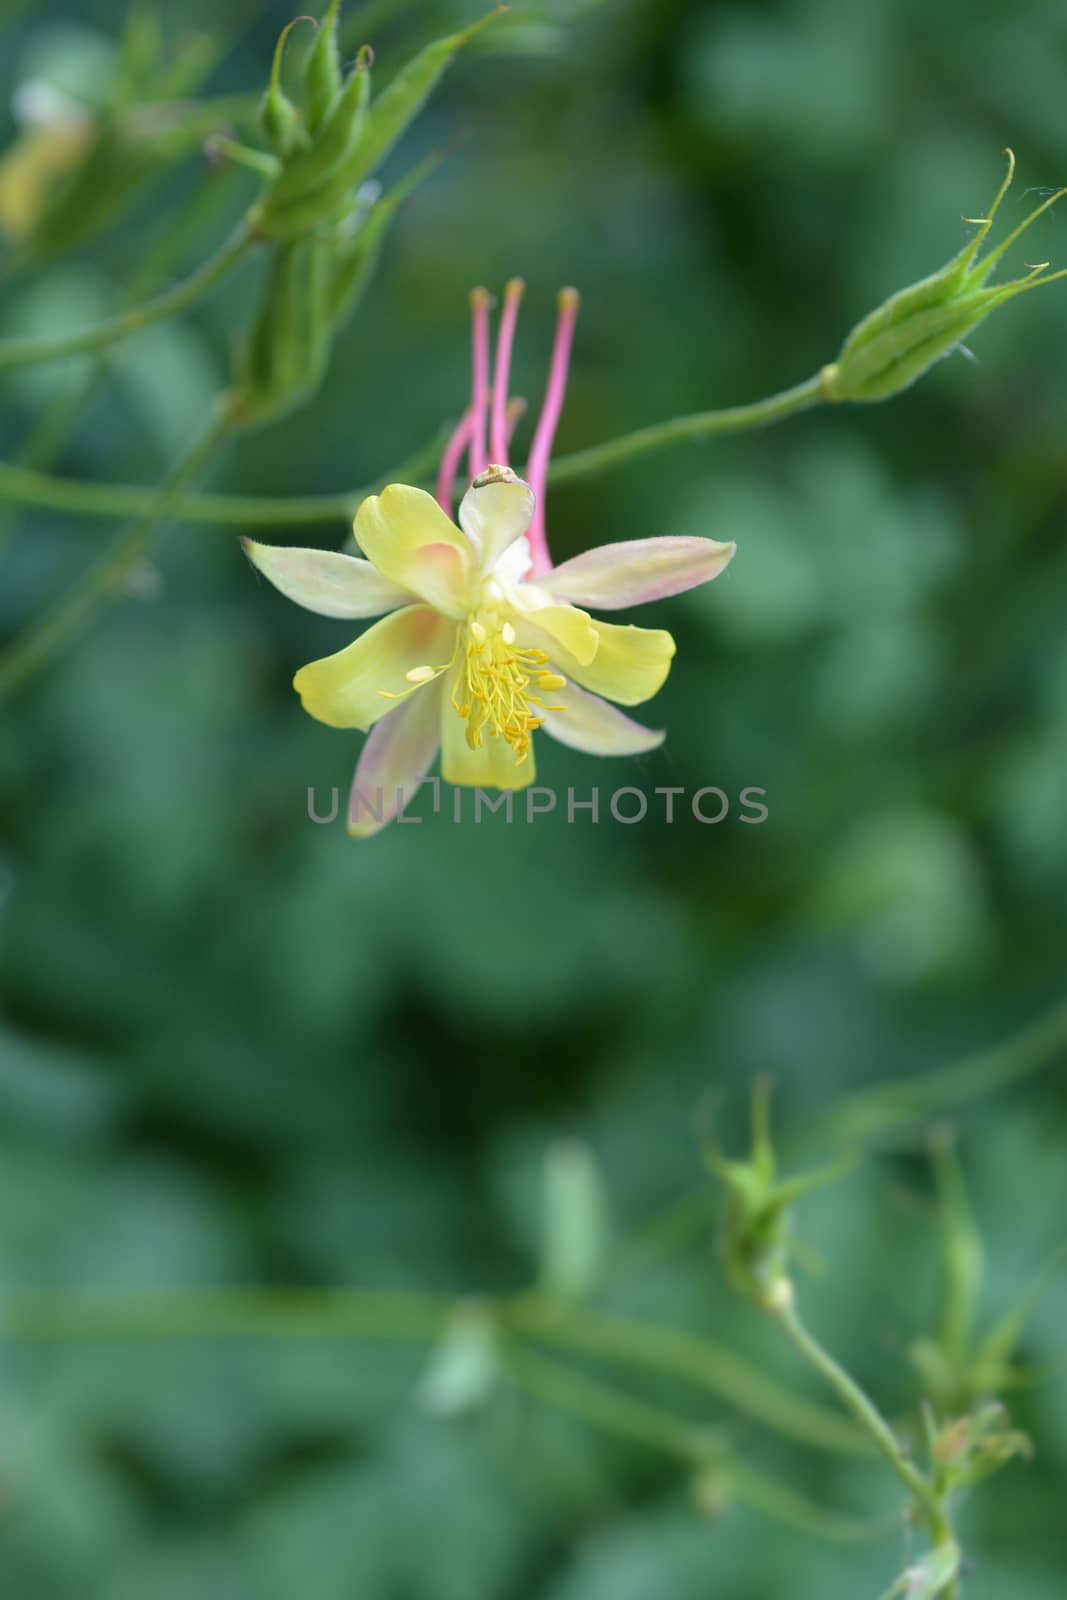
322,71
903,338
278,117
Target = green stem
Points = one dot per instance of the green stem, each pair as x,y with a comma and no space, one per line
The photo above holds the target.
26,352
604,1406
110,500
863,1409
682,430
900,1103
687,1357
41,641
267,1313
40,489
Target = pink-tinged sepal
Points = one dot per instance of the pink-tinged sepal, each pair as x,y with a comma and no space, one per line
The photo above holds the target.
326,581
636,572
399,751
591,724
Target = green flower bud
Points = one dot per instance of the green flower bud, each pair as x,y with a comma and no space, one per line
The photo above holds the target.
278,117
322,71
903,338
286,356
336,138
287,214
757,1221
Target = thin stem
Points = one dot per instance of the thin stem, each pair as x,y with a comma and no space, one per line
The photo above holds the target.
111,500
604,1406
901,1103
22,486
681,430
863,1409
686,1357
320,1313
227,1314
26,352
45,637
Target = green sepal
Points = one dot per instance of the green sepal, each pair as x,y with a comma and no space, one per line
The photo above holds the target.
387,119
278,116
322,72
337,137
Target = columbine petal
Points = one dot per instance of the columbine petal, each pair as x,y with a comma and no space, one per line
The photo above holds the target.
344,690
630,574
409,539
566,626
326,581
629,666
491,767
591,724
399,751
495,511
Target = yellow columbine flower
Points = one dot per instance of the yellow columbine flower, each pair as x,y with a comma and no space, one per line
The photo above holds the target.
485,641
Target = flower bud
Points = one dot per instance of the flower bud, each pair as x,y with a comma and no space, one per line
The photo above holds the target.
288,350
903,338
278,117
756,1230
309,169
322,71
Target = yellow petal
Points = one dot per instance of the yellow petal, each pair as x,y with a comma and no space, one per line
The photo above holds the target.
629,666
411,541
491,767
568,628
343,690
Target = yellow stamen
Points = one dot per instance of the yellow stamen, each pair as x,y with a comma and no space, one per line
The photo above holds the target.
421,675
491,688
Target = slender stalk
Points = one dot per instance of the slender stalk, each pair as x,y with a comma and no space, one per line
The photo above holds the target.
688,429
686,1357
866,1413
323,1313
110,500
43,638
604,1406
903,1102
29,351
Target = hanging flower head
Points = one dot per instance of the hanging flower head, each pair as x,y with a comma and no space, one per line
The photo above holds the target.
485,642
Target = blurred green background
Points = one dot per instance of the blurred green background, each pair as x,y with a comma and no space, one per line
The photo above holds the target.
237,1048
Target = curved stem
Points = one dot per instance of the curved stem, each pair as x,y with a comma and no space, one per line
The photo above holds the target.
680,430
688,1357
45,637
27,352
323,1313
604,1406
863,1409
82,498
110,500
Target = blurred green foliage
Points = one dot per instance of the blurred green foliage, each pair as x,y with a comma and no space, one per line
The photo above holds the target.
237,1048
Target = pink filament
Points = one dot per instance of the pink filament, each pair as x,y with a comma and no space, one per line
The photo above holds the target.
446,477
499,432
480,378
545,432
